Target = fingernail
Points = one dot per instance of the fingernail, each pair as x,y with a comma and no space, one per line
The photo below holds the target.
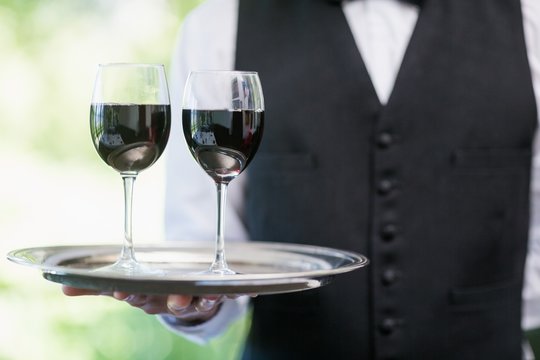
205,304
120,296
174,307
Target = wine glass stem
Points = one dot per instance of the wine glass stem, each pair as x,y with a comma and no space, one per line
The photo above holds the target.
127,250
219,263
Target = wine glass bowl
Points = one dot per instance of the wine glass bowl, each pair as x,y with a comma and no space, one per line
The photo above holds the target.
129,137
222,119
130,121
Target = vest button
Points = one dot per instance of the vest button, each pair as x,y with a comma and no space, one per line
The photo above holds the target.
388,232
384,140
389,276
387,326
385,186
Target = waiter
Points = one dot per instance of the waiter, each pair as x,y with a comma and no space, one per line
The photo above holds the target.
401,131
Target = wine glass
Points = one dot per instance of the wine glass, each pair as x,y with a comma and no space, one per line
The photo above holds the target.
222,118
130,121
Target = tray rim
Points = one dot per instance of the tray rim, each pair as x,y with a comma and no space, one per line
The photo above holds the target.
205,282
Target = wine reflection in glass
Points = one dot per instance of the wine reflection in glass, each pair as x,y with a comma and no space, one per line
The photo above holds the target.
222,119
130,120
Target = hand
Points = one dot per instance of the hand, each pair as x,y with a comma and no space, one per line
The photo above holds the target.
187,308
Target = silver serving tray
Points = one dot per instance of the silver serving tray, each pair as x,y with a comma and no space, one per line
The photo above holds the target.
262,267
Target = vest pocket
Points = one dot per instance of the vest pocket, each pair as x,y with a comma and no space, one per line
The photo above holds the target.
490,158
485,322
483,212
478,298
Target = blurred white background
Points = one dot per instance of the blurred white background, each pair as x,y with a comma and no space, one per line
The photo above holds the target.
54,188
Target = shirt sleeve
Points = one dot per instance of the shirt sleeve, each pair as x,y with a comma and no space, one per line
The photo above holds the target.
205,41
531,289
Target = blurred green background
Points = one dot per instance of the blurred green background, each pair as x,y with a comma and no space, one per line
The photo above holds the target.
54,188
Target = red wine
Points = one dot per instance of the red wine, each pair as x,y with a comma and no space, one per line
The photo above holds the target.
130,137
223,141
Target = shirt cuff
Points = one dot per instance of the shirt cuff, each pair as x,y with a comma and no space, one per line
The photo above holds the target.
531,290
230,310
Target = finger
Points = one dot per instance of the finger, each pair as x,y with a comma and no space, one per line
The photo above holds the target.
150,304
71,291
178,304
155,304
136,300
120,295
206,304
193,309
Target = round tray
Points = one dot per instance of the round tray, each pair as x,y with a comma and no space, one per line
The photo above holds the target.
262,268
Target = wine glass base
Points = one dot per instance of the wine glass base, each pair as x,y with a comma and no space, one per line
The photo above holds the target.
220,268
130,267
220,271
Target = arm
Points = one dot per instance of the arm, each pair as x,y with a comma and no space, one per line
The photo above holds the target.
207,41
531,290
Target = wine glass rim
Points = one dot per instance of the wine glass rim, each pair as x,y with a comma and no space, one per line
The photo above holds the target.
130,64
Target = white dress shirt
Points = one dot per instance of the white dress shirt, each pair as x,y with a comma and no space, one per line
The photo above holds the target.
381,29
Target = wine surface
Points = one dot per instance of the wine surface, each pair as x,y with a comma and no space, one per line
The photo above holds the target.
130,137
223,141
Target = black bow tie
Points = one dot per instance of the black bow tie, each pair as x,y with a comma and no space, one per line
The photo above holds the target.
413,2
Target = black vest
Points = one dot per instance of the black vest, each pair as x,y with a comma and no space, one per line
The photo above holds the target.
433,187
